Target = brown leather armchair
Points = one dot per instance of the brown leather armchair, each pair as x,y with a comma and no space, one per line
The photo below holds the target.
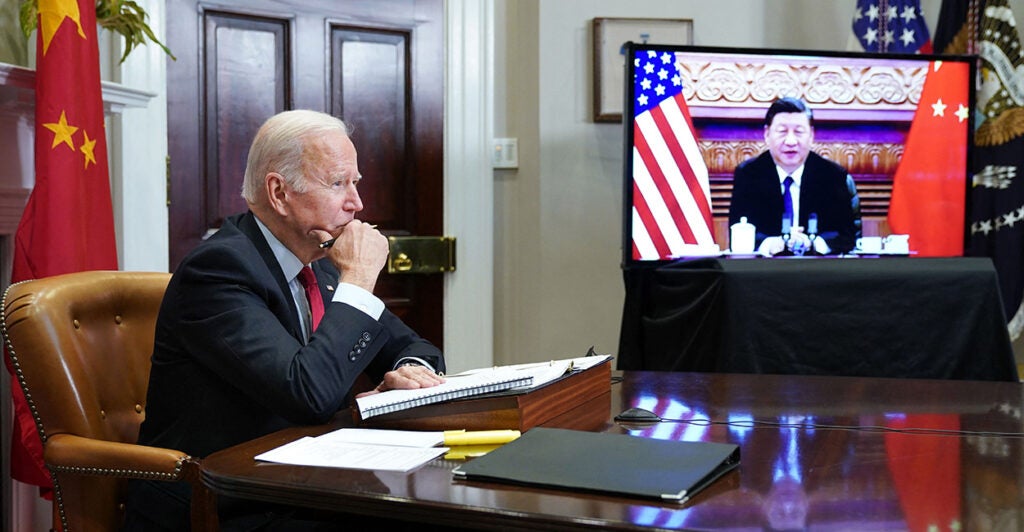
80,345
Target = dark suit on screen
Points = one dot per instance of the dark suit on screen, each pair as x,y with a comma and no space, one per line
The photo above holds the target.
825,188
229,363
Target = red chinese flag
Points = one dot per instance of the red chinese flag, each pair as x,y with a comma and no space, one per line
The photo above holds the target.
68,224
929,189
926,470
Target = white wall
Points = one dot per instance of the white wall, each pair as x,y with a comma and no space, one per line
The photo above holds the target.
139,180
559,216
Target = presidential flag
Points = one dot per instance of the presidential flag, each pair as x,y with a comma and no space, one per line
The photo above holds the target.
671,193
956,32
893,26
68,223
989,29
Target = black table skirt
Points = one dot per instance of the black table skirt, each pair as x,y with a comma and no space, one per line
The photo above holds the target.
884,317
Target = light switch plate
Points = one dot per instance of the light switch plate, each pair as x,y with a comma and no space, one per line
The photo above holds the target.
506,153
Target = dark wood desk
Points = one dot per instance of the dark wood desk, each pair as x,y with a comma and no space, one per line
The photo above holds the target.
790,476
922,318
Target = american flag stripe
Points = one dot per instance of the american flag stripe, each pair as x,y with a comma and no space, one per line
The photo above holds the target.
643,246
650,176
674,123
665,147
670,178
658,219
646,229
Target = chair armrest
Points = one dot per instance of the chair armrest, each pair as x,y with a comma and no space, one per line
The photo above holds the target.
67,453
86,456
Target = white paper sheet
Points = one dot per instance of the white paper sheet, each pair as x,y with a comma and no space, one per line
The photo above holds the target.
400,438
335,452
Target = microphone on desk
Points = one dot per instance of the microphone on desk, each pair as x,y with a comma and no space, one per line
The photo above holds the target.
812,232
787,228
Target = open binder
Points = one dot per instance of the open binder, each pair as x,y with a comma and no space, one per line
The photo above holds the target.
579,400
454,388
603,462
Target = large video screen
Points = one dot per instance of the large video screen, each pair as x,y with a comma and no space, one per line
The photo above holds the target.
884,150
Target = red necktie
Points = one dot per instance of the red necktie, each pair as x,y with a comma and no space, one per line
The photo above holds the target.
316,302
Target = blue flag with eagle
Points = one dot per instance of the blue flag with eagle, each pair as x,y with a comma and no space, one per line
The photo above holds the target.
988,29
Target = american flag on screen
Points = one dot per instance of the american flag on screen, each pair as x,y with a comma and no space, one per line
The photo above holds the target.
671,195
893,26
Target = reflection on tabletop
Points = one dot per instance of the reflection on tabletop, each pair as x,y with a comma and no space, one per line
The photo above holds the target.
907,474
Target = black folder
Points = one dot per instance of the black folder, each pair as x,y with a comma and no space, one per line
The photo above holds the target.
601,462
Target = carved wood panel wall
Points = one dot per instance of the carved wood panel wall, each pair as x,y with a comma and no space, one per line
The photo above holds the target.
862,111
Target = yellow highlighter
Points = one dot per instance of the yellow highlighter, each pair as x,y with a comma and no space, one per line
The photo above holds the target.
454,438
462,452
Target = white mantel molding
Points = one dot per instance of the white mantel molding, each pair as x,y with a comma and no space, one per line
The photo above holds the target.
17,104
116,97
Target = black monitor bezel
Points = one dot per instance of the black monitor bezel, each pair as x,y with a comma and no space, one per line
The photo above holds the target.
627,122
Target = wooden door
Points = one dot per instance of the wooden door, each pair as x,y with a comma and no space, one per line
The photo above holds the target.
377,64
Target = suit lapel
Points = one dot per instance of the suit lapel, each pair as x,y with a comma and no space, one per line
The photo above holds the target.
809,187
325,280
770,186
247,225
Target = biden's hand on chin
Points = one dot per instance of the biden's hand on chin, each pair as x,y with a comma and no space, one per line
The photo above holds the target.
359,253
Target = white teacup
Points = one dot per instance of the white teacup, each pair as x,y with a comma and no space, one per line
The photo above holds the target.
869,244
898,244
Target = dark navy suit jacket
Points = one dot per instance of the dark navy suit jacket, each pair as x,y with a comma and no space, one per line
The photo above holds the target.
825,189
229,363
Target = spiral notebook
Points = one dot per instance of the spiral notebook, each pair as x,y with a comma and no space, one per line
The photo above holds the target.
455,387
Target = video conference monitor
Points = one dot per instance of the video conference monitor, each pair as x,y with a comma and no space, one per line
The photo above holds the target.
898,125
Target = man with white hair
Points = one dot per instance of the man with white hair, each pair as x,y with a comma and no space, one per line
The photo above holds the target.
272,320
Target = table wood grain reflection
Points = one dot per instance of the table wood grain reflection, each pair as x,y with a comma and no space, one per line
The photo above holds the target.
828,452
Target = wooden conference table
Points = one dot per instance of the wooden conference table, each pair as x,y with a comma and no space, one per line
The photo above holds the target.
816,452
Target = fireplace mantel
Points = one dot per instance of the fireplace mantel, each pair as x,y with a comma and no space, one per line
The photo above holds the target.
17,108
116,97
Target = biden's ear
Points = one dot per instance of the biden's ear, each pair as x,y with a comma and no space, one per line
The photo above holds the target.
278,192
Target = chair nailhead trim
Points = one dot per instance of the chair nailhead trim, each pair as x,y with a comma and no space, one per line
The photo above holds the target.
99,471
130,473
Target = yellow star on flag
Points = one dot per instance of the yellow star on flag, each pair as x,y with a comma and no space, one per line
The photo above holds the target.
62,132
52,14
87,149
